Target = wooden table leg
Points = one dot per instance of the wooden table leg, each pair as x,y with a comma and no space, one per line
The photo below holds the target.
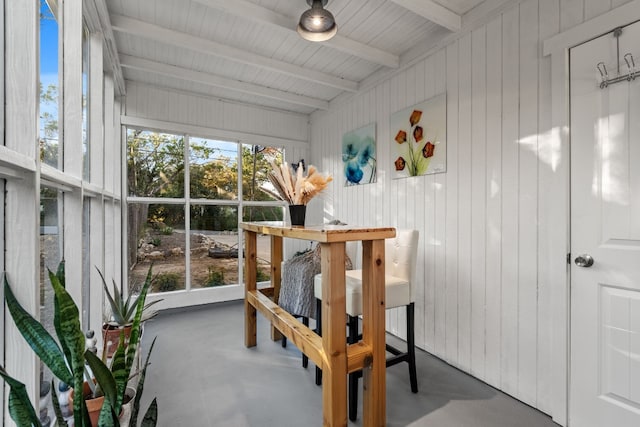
276,261
334,376
250,248
373,332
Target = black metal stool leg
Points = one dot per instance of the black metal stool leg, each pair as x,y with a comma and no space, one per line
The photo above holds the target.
411,347
305,358
353,377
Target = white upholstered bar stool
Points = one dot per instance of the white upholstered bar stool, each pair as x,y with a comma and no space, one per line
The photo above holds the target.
400,278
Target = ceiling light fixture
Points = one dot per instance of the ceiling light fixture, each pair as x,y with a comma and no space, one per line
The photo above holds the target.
317,24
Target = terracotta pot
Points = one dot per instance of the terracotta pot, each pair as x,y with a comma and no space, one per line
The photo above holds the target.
111,337
94,406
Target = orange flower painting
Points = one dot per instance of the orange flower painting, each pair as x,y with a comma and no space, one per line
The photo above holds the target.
420,135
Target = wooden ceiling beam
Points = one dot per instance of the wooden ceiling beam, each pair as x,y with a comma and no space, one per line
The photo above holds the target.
181,73
433,12
262,15
98,21
207,47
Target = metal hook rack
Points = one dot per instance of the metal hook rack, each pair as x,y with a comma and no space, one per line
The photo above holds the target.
628,59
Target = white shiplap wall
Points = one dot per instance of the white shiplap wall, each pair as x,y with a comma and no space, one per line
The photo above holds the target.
148,102
489,261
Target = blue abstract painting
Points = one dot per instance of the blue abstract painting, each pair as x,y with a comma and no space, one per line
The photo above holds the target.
359,155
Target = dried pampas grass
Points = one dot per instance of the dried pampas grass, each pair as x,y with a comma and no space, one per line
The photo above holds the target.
294,187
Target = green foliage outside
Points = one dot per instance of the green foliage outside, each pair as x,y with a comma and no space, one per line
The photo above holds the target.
215,277
156,168
167,282
167,231
261,276
49,124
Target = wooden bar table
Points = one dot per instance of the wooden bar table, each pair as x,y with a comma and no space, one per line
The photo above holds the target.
330,352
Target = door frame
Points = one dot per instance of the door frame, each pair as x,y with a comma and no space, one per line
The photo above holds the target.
558,48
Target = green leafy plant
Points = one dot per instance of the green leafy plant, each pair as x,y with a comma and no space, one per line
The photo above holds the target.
114,381
215,277
156,241
123,310
262,276
67,360
66,363
166,282
20,407
167,231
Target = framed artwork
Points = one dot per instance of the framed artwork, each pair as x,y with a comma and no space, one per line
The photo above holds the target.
359,156
419,138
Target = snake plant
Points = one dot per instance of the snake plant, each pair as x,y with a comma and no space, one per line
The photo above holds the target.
67,360
20,407
123,310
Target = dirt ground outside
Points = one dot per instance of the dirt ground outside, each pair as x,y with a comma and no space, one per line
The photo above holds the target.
213,259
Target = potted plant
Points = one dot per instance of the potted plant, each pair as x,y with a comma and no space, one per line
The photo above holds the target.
121,317
111,382
67,360
296,188
111,385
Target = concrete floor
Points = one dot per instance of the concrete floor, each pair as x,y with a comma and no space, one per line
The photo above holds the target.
202,375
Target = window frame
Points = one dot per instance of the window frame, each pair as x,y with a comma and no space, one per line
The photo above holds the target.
183,297
22,175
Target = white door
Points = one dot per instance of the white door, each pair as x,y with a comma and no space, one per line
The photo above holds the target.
605,224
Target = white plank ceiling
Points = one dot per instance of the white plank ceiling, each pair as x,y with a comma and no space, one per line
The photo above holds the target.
248,50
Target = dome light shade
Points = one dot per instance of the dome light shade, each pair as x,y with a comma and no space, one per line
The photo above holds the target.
317,24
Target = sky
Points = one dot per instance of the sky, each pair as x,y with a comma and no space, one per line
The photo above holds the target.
48,56
48,41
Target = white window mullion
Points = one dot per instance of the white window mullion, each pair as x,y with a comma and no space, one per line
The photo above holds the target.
118,243
97,260
123,265
240,209
2,190
187,214
21,196
110,252
109,134
95,109
98,242
71,119
119,147
85,307
19,162
2,142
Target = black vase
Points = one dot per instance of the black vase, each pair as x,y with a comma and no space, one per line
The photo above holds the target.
297,213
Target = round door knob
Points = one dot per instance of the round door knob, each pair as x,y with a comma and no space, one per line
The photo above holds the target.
584,260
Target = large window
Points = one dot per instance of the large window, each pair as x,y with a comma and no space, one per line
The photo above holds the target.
46,176
186,197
